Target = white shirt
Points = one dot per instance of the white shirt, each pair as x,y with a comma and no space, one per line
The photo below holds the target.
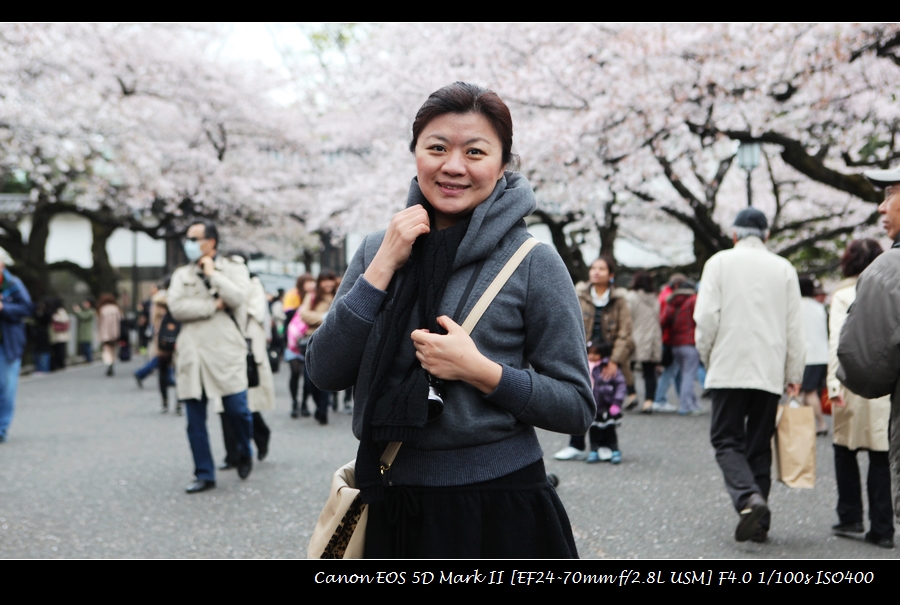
815,327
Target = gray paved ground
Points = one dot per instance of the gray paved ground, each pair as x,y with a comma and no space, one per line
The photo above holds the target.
91,469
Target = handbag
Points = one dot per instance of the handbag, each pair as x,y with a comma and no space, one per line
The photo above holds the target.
252,370
795,446
340,531
168,334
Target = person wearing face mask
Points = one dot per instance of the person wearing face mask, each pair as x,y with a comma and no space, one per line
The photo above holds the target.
208,296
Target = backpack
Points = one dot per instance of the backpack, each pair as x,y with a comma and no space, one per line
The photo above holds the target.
168,333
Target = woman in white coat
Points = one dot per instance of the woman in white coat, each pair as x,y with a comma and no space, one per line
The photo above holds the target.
646,332
260,398
859,423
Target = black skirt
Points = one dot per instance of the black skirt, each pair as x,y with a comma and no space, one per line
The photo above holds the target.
518,516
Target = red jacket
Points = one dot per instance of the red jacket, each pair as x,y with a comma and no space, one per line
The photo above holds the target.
663,303
678,317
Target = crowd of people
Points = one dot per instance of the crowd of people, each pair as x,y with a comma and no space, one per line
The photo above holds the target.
455,336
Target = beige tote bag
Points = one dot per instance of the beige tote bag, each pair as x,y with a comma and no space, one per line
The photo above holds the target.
795,446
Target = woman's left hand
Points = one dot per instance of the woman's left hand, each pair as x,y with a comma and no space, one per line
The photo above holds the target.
609,372
454,356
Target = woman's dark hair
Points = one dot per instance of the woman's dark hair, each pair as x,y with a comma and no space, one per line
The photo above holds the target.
610,263
859,254
301,283
323,276
51,304
807,286
462,98
643,282
106,299
603,349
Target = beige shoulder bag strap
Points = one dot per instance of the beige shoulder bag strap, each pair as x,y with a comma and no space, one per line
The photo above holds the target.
390,452
505,273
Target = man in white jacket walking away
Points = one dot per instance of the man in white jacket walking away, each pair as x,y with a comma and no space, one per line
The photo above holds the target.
750,338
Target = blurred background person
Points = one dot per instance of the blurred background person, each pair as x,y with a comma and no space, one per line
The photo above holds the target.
859,423
669,375
41,335
148,324
313,311
159,311
15,306
606,320
293,297
295,348
85,333
59,335
609,395
646,332
276,332
260,398
815,328
109,323
679,319
144,323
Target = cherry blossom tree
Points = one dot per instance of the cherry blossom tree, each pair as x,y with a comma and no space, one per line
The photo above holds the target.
632,129
139,126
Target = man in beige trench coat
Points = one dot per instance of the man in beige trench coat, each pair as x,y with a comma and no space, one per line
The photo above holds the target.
208,296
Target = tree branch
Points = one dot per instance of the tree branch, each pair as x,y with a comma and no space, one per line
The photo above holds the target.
826,235
794,154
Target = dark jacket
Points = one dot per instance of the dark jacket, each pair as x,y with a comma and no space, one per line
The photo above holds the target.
16,307
532,329
616,322
608,392
869,348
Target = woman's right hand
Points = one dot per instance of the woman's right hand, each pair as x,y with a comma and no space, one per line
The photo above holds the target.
405,227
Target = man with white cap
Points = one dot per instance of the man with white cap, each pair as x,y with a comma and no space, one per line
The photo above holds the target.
750,338
869,349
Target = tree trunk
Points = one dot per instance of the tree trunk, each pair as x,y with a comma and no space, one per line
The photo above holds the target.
567,249
104,278
702,253
31,265
609,229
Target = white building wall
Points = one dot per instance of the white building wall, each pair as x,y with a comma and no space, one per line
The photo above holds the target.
70,239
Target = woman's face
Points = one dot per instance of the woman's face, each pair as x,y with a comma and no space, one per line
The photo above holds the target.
459,161
599,274
309,286
329,285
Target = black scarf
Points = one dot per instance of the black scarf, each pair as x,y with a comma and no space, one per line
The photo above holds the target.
398,407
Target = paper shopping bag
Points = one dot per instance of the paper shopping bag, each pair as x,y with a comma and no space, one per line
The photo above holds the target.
795,446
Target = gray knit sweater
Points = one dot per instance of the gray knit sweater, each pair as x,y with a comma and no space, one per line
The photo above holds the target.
533,329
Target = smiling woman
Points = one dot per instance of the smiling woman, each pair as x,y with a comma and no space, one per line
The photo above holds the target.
469,479
459,161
